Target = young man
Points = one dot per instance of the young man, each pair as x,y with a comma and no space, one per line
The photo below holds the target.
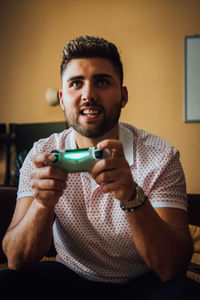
123,226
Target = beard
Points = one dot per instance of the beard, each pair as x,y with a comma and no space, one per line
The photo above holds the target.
96,129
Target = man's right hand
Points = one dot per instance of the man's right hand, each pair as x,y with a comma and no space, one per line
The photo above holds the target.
47,182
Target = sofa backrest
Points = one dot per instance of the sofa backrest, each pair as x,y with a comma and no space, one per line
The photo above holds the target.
7,206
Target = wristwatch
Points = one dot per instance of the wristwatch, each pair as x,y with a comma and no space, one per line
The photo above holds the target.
136,201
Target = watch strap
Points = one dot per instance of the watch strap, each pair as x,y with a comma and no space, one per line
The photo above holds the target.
137,200
129,209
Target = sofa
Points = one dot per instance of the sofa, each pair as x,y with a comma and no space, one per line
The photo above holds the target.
8,196
7,206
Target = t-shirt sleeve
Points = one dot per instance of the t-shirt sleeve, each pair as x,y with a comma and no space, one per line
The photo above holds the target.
24,187
170,188
54,141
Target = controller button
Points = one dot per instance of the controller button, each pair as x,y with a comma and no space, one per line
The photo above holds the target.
56,158
98,154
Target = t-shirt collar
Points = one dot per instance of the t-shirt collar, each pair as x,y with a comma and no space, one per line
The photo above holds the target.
125,136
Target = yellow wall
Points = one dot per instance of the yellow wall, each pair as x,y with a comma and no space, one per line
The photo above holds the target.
150,36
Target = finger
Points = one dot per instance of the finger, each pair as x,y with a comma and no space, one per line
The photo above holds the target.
101,166
114,146
108,164
107,176
49,172
107,187
42,159
120,192
48,184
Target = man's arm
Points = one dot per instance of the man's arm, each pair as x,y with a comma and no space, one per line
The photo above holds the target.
161,235
29,235
162,238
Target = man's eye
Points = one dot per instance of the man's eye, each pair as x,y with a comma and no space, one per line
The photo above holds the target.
76,83
102,82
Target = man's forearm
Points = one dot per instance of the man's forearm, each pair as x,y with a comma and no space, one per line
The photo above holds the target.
27,242
164,247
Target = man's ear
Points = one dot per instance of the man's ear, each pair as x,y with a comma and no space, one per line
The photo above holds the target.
124,96
61,99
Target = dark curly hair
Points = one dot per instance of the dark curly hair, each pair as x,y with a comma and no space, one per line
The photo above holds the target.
88,47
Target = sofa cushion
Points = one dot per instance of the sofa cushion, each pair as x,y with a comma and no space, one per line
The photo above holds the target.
194,265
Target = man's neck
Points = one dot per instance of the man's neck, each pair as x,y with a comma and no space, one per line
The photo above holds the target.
85,142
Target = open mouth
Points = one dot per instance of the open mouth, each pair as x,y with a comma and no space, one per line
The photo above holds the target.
94,111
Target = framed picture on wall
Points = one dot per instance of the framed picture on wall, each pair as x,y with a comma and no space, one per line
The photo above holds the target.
192,78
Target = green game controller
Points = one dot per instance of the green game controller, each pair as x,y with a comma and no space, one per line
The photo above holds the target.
78,160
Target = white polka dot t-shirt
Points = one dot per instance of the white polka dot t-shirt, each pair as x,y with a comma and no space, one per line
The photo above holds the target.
91,232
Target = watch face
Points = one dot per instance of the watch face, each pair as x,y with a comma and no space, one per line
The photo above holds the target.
138,200
132,208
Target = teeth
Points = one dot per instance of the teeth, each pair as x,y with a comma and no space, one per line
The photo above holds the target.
90,112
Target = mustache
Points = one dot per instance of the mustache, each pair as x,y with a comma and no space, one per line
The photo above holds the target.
91,102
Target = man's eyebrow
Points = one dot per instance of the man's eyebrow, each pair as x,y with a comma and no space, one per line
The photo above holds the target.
100,75
95,76
75,78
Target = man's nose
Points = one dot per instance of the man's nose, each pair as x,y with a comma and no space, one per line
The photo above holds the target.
88,92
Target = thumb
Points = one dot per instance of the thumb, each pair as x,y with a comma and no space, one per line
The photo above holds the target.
42,159
114,146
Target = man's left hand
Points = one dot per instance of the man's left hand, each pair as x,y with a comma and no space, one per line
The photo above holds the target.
113,173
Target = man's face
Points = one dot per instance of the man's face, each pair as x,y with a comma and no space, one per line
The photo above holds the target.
92,96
